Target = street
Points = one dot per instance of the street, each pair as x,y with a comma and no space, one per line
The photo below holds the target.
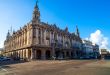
64,67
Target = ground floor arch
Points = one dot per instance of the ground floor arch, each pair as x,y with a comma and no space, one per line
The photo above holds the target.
48,54
38,54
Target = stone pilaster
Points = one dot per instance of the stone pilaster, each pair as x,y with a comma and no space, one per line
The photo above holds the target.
44,37
32,54
37,36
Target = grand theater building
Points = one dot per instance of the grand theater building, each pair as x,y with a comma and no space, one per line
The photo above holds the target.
39,40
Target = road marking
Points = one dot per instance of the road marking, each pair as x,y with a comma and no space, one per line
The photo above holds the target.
6,72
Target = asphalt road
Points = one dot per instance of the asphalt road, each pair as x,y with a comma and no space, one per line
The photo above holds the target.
69,67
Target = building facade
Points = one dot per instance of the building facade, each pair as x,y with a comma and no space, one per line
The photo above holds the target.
39,40
87,49
104,53
96,51
90,50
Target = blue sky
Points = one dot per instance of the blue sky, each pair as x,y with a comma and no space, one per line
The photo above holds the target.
89,15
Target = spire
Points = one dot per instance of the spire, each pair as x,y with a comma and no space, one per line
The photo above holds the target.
8,35
36,6
8,32
36,13
77,31
13,31
66,29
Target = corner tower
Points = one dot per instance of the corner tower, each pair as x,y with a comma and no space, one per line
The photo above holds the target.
8,35
77,31
36,14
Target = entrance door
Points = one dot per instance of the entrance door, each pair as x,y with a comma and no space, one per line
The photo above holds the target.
38,54
48,55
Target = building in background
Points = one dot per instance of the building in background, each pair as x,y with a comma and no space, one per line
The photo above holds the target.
105,53
90,50
87,49
39,40
96,52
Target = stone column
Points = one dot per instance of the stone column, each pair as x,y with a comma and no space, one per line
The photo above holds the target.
53,51
70,54
29,53
65,56
23,53
26,53
32,53
18,53
44,37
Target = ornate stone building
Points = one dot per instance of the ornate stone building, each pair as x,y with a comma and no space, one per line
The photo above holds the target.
39,40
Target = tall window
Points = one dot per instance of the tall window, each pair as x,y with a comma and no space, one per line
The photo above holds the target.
43,36
34,33
39,33
47,35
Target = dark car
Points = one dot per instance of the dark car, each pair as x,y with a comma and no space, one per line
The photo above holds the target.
5,58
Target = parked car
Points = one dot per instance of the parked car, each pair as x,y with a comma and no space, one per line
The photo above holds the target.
60,58
5,58
16,58
1,59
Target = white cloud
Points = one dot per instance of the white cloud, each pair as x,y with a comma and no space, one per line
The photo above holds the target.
98,38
